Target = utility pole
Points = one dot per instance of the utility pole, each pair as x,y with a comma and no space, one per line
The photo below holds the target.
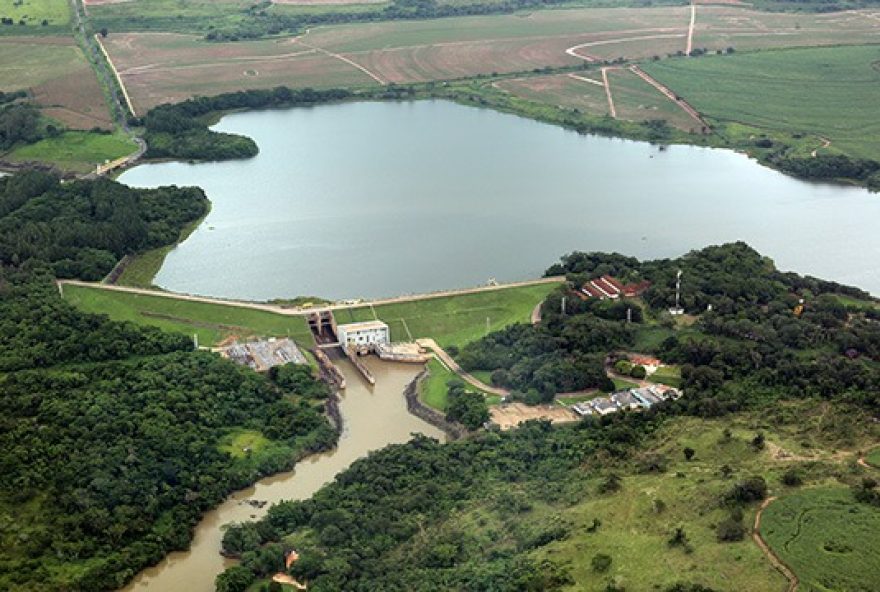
196,341
487,325
677,310
563,306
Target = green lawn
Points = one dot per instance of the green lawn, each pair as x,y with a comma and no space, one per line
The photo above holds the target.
76,151
56,13
212,322
433,391
455,320
826,538
449,319
830,92
238,443
621,384
668,375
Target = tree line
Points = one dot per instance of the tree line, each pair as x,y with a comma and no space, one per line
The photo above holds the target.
181,131
82,228
114,437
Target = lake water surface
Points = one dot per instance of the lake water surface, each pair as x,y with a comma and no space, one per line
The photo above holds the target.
382,199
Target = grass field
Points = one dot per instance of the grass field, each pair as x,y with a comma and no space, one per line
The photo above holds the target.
237,443
454,320
59,77
828,92
826,538
75,151
669,375
211,322
451,320
873,457
55,13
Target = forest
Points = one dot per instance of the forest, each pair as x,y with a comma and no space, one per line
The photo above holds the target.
113,436
402,519
81,229
181,130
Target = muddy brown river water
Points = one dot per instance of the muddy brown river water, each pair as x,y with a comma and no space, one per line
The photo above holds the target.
373,418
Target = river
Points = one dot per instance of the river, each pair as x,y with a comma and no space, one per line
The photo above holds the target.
386,198
373,418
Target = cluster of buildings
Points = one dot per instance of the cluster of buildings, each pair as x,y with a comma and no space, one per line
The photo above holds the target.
262,355
607,287
627,400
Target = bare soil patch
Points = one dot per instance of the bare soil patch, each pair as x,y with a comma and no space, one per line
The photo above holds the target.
511,415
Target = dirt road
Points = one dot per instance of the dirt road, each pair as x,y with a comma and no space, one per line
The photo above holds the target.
447,360
611,110
690,37
775,561
667,92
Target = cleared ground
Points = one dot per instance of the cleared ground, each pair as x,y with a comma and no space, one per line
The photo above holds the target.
55,71
510,415
826,538
831,92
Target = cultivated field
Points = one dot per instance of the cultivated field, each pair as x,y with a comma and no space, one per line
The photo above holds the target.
61,80
830,92
166,67
826,538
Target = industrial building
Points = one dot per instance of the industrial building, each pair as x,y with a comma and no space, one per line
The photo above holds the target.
630,399
359,335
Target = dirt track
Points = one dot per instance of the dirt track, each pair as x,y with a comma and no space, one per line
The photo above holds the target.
611,110
774,559
690,37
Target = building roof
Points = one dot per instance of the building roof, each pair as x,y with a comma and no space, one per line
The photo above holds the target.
363,326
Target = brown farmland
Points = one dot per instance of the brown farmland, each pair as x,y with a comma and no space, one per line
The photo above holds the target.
55,72
161,67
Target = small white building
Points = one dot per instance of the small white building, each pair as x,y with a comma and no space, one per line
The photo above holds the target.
363,334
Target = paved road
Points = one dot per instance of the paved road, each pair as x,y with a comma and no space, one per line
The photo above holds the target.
453,365
306,311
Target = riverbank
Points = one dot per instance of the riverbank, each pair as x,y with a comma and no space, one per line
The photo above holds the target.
373,418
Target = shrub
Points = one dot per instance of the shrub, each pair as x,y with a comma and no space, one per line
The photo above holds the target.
750,490
730,530
792,478
689,453
638,372
601,562
623,366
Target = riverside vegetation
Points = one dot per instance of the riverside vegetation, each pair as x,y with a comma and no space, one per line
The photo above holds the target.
527,509
115,438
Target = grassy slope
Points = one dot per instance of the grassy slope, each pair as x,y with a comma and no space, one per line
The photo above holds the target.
635,534
75,151
832,92
828,540
211,322
455,320
449,319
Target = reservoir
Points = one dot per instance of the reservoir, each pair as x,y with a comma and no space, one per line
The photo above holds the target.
388,198
373,418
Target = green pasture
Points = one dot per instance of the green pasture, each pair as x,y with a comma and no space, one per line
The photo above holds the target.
55,13
433,390
75,150
830,92
827,538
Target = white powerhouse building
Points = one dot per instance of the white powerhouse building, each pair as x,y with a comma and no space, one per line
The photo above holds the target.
367,333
